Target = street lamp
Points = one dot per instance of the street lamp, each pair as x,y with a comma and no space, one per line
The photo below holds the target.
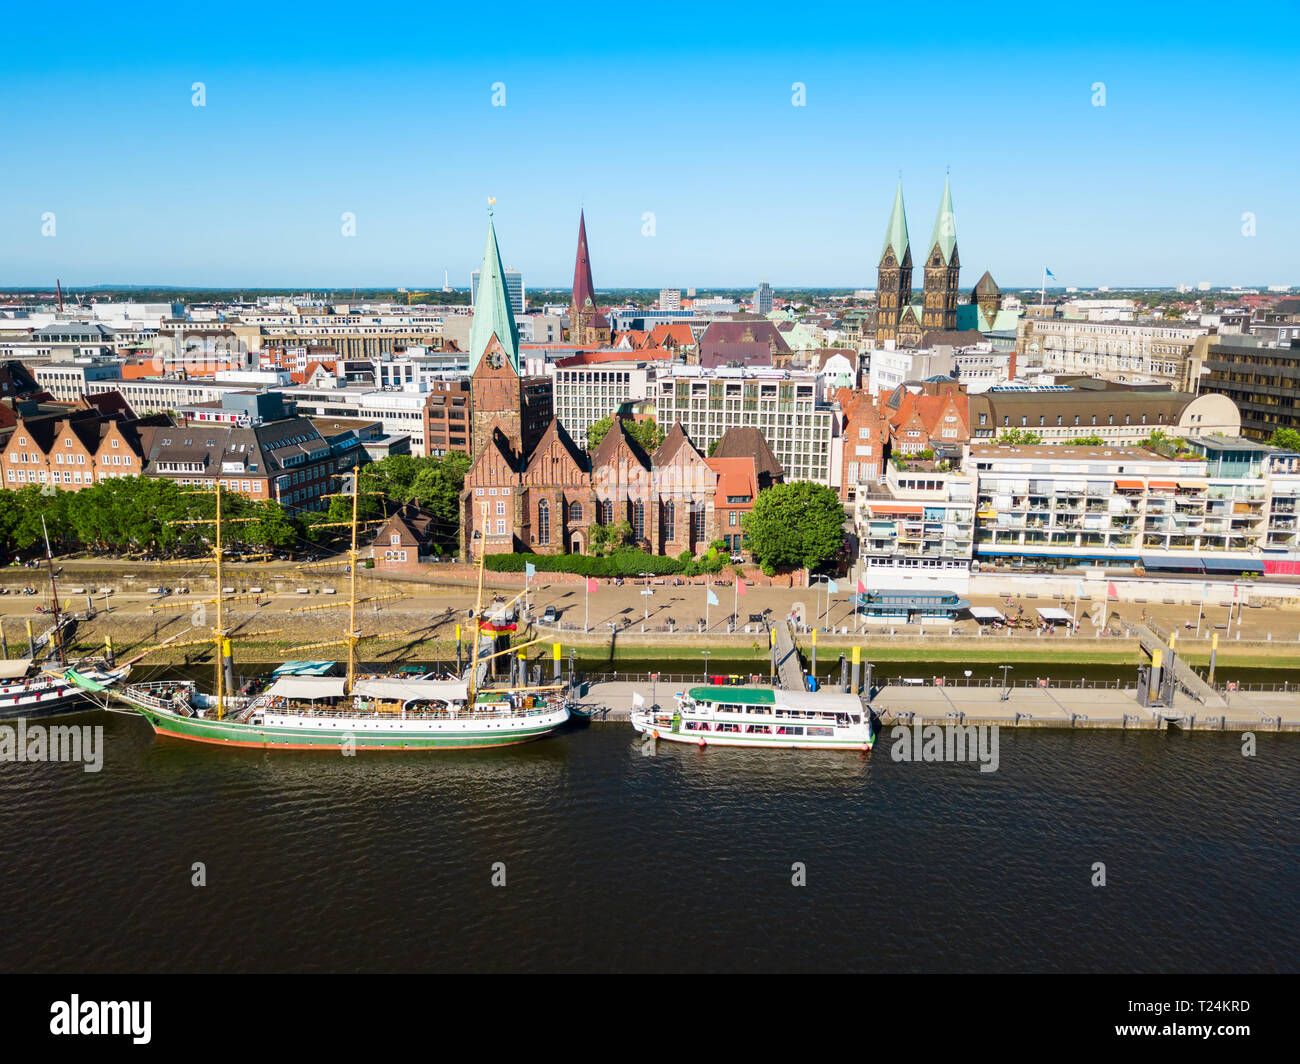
1005,693
706,654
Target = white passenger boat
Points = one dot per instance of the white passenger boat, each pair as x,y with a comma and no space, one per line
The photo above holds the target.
761,716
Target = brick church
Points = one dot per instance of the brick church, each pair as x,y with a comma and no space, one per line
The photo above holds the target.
531,488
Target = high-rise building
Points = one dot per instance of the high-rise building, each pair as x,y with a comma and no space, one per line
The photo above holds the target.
763,298
514,282
670,299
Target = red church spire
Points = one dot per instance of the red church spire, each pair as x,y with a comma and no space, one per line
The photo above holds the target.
584,291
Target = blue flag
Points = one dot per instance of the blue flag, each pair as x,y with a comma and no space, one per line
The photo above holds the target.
530,570
1049,273
713,599
832,587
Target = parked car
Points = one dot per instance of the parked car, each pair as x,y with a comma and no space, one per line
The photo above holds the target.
549,616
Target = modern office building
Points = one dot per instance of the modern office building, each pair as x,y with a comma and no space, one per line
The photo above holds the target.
784,405
514,284
763,298
1262,380
586,393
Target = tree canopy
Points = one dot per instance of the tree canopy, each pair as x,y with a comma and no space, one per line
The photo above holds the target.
1287,439
795,524
1020,436
647,433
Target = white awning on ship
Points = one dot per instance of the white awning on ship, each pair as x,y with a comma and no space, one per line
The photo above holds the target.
12,668
308,687
986,613
406,690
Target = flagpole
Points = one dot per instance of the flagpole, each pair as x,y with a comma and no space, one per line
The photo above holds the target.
586,619
1042,291
706,604
735,602
1200,609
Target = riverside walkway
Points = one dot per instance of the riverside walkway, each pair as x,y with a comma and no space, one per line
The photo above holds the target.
1023,707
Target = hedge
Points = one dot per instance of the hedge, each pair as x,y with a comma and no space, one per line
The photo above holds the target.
626,561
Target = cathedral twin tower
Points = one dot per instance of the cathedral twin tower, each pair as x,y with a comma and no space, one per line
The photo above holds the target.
897,317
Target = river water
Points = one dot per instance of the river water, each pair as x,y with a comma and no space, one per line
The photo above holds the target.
680,860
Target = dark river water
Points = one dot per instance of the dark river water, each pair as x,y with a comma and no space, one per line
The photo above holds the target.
680,860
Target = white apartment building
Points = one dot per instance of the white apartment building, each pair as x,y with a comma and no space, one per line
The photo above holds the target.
400,413
670,299
891,366
916,531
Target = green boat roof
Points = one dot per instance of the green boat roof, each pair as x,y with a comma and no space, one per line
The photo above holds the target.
747,696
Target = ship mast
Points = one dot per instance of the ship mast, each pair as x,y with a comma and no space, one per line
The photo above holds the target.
478,605
352,591
56,636
219,632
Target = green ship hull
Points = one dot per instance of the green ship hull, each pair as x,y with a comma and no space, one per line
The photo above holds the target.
262,736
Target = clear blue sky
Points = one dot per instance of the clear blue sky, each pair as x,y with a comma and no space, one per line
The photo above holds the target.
684,112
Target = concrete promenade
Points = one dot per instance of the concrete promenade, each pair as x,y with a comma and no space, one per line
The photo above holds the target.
1024,707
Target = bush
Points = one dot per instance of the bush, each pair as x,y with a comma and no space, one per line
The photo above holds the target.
624,561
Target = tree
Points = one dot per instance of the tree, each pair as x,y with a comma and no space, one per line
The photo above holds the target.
795,524
1085,441
1021,436
1286,439
647,433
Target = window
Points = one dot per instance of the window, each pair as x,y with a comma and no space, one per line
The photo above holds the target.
638,519
670,520
395,539
575,512
543,521
698,519
501,509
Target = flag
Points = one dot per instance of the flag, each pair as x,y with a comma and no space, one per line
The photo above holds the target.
1111,593
530,570
862,588
713,599
1049,273
1234,590
832,588
1078,589
591,584
740,586
637,700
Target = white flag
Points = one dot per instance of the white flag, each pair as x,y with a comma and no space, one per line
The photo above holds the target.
637,700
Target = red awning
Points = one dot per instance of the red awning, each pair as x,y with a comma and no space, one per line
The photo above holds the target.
1134,485
1164,485
894,508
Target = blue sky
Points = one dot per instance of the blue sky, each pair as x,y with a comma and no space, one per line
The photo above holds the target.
684,113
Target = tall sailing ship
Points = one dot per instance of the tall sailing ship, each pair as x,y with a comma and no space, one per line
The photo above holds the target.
29,690
398,712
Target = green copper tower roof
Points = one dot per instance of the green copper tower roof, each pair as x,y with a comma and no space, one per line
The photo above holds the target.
896,234
945,226
492,313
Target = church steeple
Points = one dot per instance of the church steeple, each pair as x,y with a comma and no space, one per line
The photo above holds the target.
493,316
586,324
942,267
894,275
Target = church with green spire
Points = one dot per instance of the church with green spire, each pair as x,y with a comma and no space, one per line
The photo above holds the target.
503,401
900,317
